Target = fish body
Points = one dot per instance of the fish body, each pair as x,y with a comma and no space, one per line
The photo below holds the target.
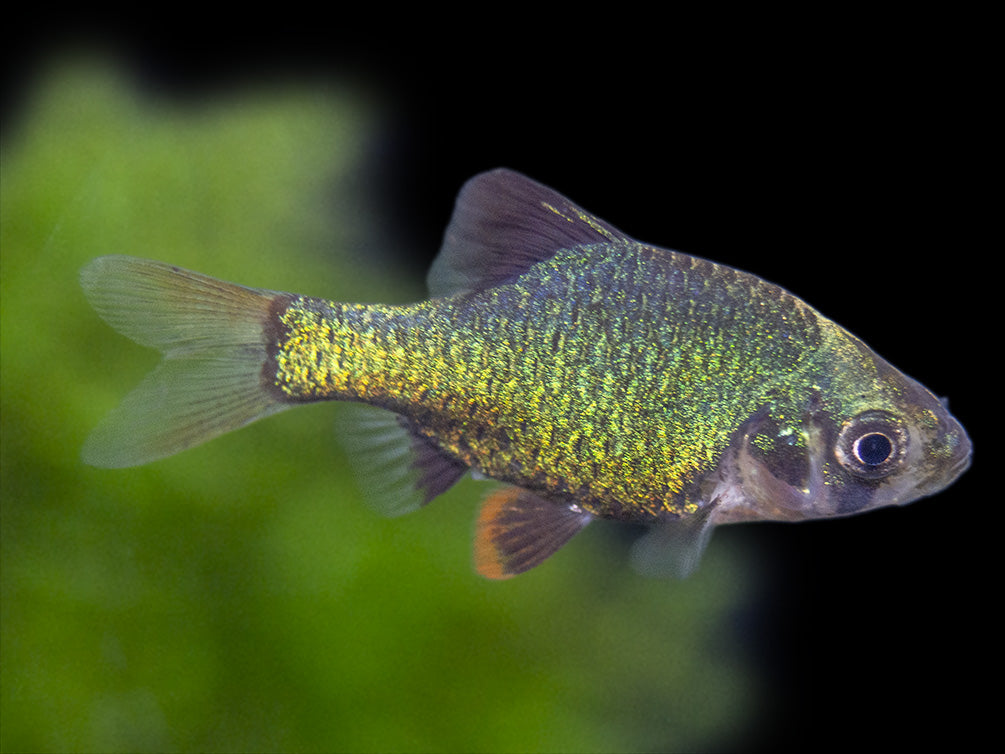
594,375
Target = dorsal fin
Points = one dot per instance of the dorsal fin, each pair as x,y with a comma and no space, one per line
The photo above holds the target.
518,530
503,223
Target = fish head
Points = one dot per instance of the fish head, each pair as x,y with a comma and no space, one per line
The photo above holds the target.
872,439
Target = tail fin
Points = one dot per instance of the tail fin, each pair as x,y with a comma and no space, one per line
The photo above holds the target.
213,337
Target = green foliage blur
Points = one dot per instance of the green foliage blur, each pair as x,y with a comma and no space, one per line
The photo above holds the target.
239,596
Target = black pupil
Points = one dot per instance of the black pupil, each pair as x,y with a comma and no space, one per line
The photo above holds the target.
873,449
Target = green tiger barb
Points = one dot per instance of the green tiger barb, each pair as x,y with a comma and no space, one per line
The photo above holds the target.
595,376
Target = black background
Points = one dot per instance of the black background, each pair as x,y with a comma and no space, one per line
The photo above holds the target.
849,168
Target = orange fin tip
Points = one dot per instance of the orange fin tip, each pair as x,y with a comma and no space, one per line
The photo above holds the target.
518,530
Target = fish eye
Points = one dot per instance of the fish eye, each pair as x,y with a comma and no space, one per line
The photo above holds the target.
872,449
872,444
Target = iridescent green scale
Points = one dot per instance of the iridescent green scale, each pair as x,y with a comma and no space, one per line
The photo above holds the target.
612,375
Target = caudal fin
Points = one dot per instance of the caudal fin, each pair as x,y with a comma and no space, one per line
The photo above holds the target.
213,337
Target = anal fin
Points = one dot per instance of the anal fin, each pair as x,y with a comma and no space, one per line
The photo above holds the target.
399,470
518,530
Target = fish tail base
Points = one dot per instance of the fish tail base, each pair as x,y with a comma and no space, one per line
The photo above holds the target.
214,337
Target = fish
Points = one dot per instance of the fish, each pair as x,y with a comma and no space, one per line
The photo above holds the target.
590,375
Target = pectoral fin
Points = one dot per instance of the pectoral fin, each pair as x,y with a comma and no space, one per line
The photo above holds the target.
518,530
673,547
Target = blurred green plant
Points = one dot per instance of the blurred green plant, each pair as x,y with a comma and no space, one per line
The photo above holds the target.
239,597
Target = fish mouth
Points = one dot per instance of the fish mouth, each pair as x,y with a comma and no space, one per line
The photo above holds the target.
939,480
961,451
964,454
960,466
